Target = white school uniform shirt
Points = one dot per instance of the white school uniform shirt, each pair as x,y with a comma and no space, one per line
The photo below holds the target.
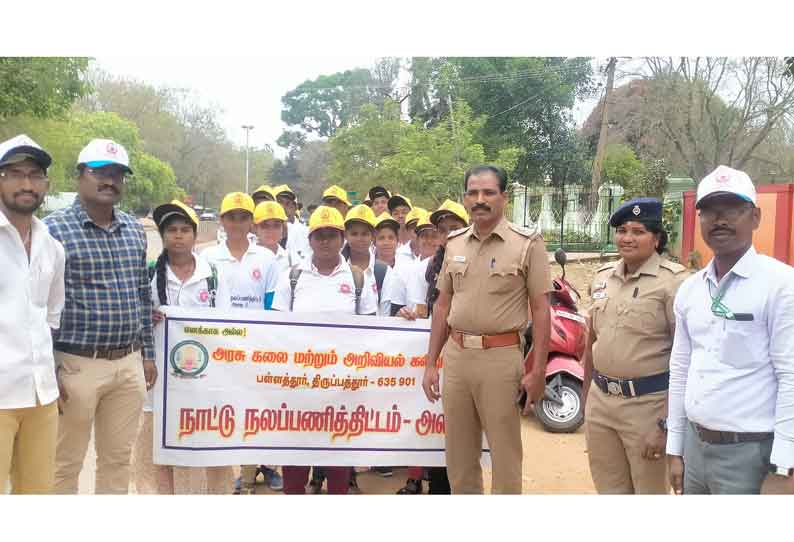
324,293
405,256
247,281
283,260
388,289
417,285
194,292
730,375
298,241
32,294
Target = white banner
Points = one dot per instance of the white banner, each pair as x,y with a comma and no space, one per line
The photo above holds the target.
245,387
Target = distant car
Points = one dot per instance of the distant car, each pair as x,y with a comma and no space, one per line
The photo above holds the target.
208,216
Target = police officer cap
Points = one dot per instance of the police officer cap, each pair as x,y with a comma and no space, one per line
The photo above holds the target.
638,210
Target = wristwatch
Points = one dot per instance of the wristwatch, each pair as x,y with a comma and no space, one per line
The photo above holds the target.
662,424
781,471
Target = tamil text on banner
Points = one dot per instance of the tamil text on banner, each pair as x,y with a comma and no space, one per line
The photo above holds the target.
248,387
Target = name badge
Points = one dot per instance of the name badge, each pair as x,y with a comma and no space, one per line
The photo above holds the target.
599,294
461,259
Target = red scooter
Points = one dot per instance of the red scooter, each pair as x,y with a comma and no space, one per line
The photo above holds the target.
560,410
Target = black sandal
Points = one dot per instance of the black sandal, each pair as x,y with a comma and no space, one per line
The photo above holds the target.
412,487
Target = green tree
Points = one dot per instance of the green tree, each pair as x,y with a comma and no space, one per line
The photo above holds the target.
154,183
527,101
621,165
40,86
330,102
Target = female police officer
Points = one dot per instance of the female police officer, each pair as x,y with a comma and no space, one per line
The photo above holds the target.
628,355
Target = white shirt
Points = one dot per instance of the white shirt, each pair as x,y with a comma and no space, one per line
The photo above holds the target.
283,259
324,293
247,281
220,236
32,296
416,285
194,292
730,375
298,241
388,289
405,256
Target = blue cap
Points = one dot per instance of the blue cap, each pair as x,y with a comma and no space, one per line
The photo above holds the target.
640,210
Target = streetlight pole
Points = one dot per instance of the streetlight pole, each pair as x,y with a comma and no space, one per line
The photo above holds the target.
247,129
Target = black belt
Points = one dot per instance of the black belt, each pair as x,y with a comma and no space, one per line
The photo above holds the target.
103,353
727,437
634,387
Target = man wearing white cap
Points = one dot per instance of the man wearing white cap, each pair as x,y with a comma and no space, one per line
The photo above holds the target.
32,294
731,407
104,349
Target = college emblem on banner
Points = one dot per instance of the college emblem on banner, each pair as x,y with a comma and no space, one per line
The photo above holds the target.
189,359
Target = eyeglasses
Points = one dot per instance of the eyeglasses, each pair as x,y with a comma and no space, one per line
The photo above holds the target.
108,174
16,176
731,214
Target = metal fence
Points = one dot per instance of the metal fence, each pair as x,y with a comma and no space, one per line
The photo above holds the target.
571,217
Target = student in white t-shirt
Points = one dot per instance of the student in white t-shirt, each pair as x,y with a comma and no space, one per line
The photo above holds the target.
250,271
270,224
181,279
324,283
296,237
427,242
250,275
378,276
386,238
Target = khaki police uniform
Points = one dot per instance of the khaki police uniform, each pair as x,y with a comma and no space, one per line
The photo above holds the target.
632,332
490,281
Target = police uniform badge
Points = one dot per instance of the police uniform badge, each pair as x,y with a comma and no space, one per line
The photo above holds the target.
636,210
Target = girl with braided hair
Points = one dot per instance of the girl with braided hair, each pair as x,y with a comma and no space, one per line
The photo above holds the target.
182,279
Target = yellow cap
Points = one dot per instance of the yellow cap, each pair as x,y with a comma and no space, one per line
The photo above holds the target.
361,213
266,189
337,192
280,189
417,213
237,200
176,207
267,210
398,199
385,219
424,223
447,208
326,217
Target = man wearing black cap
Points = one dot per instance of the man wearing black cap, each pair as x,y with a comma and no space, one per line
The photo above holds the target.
628,354
379,200
33,296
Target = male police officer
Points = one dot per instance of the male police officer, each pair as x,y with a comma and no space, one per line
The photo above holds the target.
498,265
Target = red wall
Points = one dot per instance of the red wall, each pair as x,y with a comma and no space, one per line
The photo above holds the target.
774,236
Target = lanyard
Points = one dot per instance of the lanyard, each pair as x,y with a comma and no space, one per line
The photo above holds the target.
717,306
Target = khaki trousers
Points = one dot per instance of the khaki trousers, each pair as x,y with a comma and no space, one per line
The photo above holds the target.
151,479
615,428
108,396
27,448
479,394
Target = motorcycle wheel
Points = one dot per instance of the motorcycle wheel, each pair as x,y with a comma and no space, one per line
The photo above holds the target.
568,417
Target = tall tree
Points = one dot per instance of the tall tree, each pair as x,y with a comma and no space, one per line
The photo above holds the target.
41,86
718,110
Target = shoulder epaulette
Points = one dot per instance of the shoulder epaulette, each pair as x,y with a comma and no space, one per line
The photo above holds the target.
676,268
520,230
459,232
607,266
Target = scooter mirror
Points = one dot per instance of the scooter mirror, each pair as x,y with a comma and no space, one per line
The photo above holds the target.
560,256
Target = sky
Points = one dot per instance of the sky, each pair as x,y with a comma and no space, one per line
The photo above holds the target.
248,90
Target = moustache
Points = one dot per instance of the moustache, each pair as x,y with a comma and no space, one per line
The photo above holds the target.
28,192
721,228
110,186
482,206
